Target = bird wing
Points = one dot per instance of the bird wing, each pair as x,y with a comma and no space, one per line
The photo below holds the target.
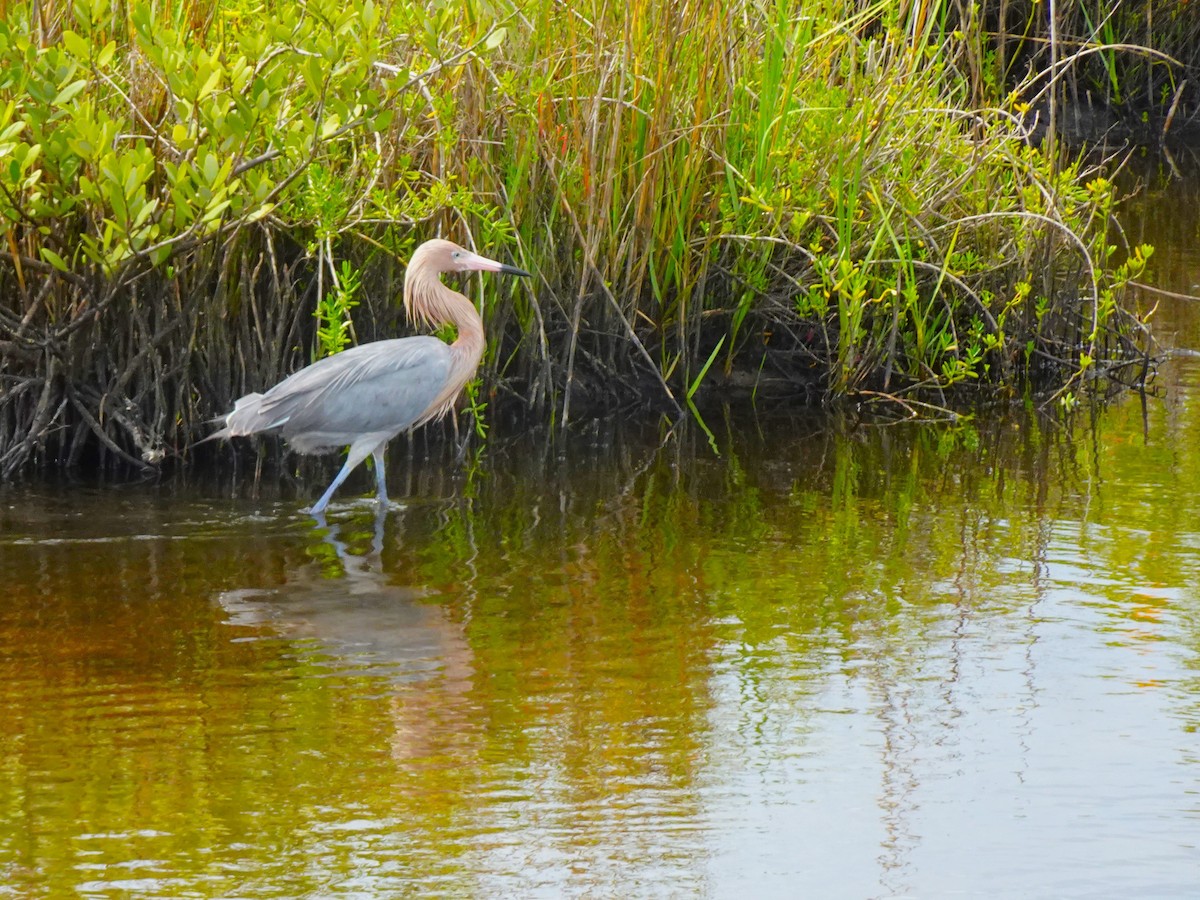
381,387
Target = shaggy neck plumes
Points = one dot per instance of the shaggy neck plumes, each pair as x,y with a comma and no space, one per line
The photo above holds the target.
429,301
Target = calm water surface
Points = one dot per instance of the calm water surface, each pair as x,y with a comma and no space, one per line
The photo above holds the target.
830,661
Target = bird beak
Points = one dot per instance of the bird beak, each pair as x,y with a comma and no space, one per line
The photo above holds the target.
513,270
476,263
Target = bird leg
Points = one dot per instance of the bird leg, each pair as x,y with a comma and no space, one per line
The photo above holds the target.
380,478
318,508
358,452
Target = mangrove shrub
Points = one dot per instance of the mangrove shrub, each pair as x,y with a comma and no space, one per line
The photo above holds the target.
821,199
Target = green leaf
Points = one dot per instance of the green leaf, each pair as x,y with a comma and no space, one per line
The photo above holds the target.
76,45
210,84
704,371
259,213
144,213
314,75
214,210
54,259
495,39
11,131
384,119
70,92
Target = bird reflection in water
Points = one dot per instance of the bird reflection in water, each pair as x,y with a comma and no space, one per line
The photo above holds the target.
342,610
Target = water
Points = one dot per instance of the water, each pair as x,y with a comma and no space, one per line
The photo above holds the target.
831,661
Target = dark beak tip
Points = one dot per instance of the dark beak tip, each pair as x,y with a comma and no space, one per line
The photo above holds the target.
513,270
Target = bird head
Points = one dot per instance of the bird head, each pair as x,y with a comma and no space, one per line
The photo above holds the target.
422,285
446,256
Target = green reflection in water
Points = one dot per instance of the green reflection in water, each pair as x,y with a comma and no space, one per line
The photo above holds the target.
570,666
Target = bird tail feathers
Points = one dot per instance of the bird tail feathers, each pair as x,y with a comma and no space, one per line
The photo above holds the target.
239,422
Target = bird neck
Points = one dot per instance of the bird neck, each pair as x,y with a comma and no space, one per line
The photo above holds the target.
431,302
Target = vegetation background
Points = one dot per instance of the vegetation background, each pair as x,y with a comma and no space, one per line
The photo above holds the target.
823,200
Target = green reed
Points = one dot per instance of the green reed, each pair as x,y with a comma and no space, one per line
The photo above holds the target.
823,195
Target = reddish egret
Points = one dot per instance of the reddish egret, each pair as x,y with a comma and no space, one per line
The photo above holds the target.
367,395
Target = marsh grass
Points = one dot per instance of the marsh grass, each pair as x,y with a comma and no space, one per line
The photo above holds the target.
839,201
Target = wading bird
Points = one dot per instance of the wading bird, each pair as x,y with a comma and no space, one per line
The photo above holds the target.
365,396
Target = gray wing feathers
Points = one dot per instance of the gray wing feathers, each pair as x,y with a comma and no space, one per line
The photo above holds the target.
381,387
